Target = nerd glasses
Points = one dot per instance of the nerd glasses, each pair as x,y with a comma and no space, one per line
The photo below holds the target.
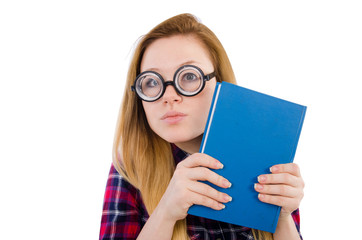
188,80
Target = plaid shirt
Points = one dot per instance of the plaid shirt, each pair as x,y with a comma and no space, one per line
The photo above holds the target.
124,213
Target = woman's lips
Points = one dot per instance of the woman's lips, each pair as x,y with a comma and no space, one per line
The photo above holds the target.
173,117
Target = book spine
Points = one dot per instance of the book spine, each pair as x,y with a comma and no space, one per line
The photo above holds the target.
298,134
291,158
211,115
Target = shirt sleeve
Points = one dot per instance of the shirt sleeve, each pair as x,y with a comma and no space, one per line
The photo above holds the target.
122,213
296,218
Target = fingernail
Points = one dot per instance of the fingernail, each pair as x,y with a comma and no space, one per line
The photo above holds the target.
228,198
274,169
258,186
261,196
220,165
226,183
222,206
261,178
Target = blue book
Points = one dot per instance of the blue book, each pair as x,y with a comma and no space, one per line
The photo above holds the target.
248,132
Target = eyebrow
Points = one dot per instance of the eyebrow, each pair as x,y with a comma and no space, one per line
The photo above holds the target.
182,64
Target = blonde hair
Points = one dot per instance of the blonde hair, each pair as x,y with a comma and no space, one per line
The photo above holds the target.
142,157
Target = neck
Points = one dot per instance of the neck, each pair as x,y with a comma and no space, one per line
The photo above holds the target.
191,146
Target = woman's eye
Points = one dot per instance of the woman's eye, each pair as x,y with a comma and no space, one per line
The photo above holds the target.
151,82
190,77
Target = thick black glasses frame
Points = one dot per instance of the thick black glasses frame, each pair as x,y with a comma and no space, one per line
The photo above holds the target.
165,84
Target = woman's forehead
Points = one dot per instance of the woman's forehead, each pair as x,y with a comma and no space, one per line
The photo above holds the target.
168,54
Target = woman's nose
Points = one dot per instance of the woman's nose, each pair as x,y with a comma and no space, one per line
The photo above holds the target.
171,95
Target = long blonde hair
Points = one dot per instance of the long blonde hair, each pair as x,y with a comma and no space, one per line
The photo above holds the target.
142,157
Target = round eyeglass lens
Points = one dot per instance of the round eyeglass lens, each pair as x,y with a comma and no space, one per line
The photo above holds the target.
149,85
189,80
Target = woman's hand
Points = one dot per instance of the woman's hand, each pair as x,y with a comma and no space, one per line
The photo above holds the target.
283,187
185,190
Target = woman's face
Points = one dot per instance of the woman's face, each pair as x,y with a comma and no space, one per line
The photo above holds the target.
178,119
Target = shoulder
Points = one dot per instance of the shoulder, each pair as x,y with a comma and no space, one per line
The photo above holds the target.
120,191
123,213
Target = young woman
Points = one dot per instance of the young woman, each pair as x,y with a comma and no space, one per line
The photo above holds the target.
156,169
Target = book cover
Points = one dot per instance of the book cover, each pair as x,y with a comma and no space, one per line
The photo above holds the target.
248,132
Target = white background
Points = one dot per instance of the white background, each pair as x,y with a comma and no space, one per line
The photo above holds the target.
62,71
